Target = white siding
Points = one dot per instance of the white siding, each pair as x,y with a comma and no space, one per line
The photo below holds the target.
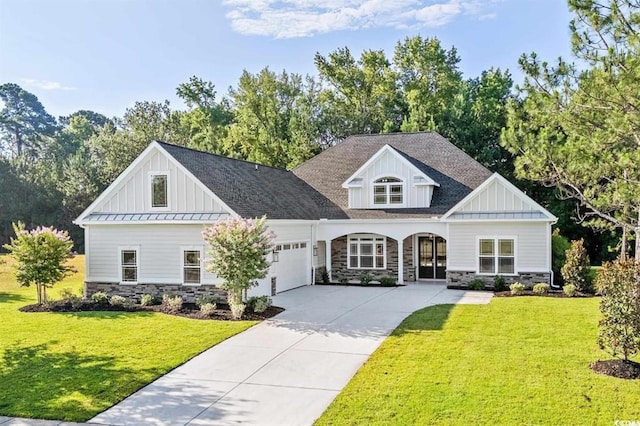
389,164
532,245
133,194
496,197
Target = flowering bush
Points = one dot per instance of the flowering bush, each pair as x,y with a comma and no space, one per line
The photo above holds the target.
238,255
517,289
41,256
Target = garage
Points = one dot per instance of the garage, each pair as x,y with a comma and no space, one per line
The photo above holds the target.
293,268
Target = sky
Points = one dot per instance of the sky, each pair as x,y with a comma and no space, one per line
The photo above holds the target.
103,55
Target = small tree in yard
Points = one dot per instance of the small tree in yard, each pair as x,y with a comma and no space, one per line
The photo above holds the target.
619,284
40,257
576,269
238,255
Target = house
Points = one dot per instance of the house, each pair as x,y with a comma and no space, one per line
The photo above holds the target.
407,205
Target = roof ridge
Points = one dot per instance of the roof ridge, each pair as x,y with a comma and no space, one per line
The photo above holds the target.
220,156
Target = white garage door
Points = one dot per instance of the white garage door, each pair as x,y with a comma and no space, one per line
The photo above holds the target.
293,268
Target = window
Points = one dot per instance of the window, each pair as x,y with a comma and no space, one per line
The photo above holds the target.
388,190
367,252
496,255
129,265
159,191
191,270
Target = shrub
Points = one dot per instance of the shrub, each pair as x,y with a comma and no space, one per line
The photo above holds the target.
204,300
619,284
100,297
569,290
366,278
559,246
576,269
387,281
148,300
171,303
259,304
76,301
66,293
499,283
237,309
207,309
117,300
476,284
541,289
517,288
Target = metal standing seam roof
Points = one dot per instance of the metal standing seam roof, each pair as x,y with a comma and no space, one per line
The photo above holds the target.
143,217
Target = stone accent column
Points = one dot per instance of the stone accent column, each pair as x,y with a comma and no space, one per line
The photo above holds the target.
327,252
400,261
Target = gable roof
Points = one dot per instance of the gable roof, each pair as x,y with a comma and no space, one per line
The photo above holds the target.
457,173
386,148
251,189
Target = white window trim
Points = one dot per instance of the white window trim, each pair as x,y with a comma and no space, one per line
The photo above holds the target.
402,183
182,265
358,237
120,265
496,254
150,176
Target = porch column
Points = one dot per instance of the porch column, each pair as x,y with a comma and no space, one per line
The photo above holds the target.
327,254
400,261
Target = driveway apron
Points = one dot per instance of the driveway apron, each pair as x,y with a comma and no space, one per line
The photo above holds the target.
288,369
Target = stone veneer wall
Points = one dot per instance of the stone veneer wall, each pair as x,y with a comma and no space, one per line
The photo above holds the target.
462,278
189,293
409,273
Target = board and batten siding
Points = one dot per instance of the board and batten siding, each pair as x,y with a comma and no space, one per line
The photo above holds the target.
496,197
385,165
532,246
185,194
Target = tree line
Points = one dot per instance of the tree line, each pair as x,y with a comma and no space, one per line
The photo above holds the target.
53,168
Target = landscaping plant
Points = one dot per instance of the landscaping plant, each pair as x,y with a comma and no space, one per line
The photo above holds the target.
259,304
569,290
499,283
41,257
238,255
517,289
619,285
541,289
476,284
577,269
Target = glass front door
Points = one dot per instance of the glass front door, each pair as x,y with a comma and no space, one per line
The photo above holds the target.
432,257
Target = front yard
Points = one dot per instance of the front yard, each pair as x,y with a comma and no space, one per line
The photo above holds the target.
515,361
72,366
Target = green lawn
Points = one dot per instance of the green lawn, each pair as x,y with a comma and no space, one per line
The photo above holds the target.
72,366
515,361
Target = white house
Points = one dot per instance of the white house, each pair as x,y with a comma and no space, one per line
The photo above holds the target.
407,205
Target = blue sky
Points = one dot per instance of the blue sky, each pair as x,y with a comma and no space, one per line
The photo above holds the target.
105,55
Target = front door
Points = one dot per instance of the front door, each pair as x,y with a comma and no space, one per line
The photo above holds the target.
432,257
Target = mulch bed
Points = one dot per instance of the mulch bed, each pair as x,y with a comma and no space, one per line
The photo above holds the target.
551,293
361,285
619,368
189,310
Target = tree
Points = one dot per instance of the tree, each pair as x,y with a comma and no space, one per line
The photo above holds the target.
40,255
619,284
23,120
576,270
579,129
559,247
238,254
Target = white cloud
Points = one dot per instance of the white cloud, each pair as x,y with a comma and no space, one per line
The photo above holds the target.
46,84
304,18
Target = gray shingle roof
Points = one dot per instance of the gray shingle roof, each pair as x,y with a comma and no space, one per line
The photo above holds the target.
457,173
253,190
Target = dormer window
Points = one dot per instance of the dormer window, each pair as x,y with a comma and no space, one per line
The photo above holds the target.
388,191
159,183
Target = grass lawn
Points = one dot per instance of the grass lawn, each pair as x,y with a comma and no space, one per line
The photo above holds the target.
71,366
515,361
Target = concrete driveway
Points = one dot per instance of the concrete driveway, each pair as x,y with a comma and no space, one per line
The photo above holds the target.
286,370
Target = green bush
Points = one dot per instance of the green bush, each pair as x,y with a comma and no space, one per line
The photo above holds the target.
576,269
476,284
117,300
171,303
259,304
366,278
541,289
237,309
66,293
499,283
100,298
619,285
517,289
569,290
205,299
148,300
559,246
207,309
75,301
387,281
